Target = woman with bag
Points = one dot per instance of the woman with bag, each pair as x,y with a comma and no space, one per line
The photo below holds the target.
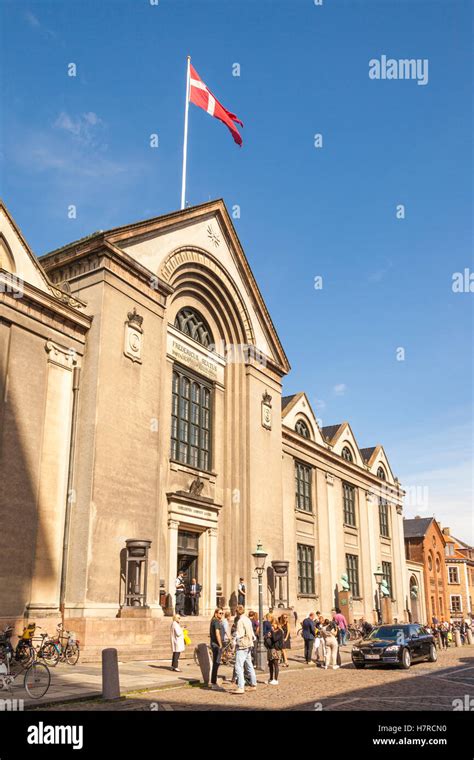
177,642
329,634
274,644
285,627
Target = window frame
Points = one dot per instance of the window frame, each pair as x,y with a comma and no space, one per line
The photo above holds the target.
304,579
456,569
176,441
350,458
299,465
198,319
345,501
451,607
303,424
354,584
384,523
388,577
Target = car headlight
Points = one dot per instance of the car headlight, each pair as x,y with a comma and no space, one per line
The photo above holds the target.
393,648
356,649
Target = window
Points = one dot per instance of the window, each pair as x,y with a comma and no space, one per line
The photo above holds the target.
347,454
348,500
381,473
305,569
352,562
383,518
303,487
456,604
302,429
387,574
453,573
430,563
438,565
190,420
191,323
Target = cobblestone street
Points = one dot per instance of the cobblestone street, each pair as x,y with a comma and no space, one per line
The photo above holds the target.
425,686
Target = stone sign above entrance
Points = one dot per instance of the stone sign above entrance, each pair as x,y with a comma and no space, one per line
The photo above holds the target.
192,355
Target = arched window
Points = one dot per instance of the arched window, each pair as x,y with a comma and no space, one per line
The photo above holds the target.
381,473
191,420
302,429
347,454
191,323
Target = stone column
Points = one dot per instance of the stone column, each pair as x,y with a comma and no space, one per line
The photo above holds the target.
372,528
52,486
400,568
332,530
212,570
172,558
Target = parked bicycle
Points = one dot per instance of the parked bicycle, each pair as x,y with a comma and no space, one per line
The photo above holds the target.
36,676
25,652
63,648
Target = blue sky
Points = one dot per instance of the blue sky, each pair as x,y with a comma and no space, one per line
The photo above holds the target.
305,212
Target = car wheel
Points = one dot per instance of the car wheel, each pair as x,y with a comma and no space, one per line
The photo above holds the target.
433,656
406,659
359,665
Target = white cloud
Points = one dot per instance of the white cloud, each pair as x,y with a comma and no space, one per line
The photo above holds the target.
31,18
340,389
82,128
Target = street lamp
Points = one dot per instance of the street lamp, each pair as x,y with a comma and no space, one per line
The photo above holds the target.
260,556
379,577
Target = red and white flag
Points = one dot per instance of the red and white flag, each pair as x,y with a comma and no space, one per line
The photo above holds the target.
201,96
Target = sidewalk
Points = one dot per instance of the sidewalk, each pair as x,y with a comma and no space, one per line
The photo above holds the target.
85,681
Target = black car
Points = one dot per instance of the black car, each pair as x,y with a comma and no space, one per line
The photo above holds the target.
395,645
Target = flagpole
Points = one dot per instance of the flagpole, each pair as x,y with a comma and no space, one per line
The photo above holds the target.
185,142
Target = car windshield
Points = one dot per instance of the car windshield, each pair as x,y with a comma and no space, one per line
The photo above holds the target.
388,632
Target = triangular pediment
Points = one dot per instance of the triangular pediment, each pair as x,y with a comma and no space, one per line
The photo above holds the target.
344,438
375,459
15,254
202,237
298,408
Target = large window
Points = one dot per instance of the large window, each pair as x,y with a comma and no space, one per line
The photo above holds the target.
348,500
453,574
347,454
456,604
191,323
191,420
305,569
303,487
381,473
383,518
387,574
352,562
302,429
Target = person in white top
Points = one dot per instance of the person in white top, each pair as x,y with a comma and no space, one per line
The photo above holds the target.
177,642
243,656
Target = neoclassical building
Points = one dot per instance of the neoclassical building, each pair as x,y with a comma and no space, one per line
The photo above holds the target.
141,398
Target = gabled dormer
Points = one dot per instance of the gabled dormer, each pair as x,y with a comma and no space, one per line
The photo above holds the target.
297,414
377,462
342,442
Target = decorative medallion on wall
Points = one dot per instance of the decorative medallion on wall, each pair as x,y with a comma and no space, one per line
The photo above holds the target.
213,236
133,336
267,411
196,487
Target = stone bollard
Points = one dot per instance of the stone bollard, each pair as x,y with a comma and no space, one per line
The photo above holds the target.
110,674
457,638
204,662
469,638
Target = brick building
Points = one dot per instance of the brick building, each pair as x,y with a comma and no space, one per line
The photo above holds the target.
425,543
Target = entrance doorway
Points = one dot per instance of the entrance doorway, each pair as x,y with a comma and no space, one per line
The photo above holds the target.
188,543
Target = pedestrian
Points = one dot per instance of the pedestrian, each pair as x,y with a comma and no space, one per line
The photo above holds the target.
215,634
241,592
329,633
256,630
226,626
267,623
285,627
179,593
194,594
342,626
319,648
309,635
177,642
273,642
365,627
243,657
443,633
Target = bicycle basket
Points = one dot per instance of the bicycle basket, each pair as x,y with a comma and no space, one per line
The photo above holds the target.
72,638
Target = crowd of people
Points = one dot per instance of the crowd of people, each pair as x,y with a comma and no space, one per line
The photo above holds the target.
444,631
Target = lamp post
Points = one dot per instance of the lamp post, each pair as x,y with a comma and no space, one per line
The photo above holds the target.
260,556
379,576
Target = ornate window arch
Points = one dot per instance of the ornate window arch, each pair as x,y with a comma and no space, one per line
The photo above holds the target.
346,454
302,429
381,473
192,323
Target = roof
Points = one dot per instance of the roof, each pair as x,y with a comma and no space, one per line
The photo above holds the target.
367,453
416,527
330,431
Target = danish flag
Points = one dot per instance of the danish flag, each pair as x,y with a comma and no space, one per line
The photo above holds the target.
201,96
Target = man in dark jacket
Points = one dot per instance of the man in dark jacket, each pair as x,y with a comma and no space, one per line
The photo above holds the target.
309,635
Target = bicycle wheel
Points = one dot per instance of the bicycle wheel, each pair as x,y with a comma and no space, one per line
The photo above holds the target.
49,654
72,654
37,680
25,654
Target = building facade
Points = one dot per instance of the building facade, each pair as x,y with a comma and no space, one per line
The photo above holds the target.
141,380
425,544
460,576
